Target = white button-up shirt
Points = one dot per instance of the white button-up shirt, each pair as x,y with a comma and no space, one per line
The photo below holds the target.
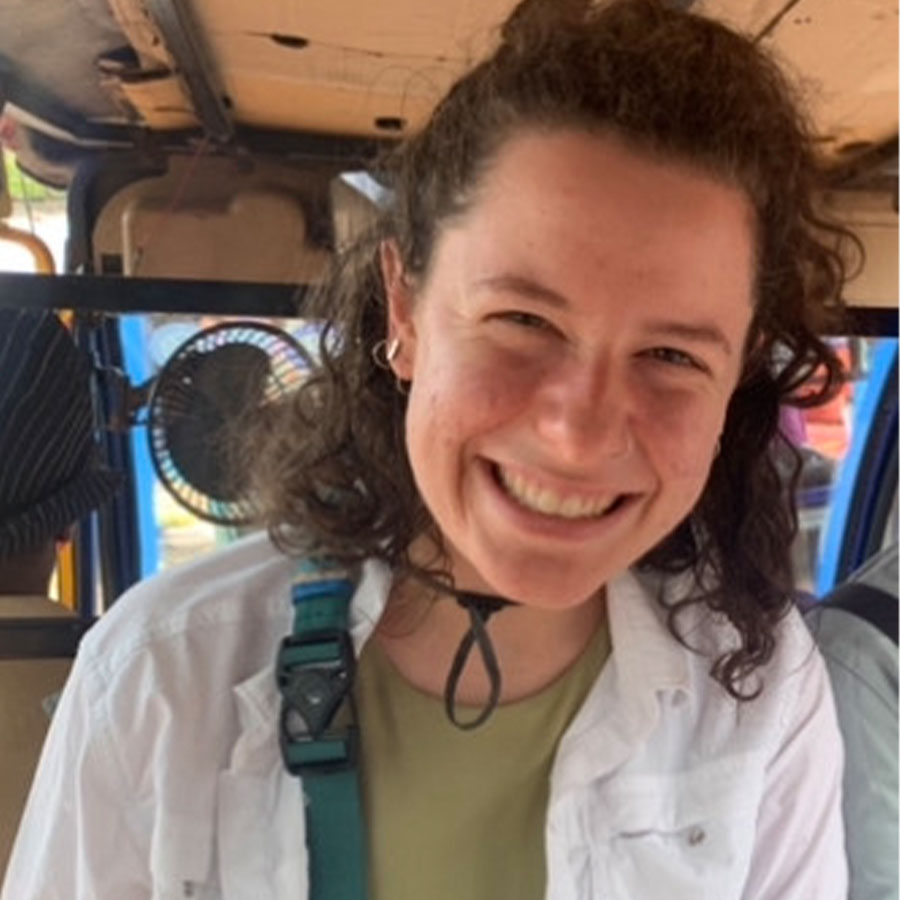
162,777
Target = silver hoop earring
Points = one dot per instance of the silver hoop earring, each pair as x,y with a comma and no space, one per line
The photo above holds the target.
384,353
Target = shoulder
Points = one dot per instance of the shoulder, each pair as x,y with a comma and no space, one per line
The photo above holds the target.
880,571
164,688
790,685
844,634
223,597
161,674
860,658
708,634
855,629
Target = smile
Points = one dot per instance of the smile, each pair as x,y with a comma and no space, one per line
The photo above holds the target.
539,498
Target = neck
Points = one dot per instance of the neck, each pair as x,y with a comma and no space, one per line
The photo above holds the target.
422,629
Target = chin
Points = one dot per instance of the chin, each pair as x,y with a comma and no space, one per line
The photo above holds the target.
551,586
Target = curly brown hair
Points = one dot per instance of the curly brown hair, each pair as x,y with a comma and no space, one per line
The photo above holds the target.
332,469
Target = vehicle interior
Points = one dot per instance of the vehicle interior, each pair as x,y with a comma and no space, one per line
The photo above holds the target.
208,157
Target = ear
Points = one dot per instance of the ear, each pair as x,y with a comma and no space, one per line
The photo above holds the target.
400,305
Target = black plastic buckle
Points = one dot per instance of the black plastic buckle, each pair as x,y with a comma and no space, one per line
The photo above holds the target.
312,693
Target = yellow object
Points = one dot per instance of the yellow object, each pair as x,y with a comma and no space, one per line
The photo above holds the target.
68,584
43,259
5,199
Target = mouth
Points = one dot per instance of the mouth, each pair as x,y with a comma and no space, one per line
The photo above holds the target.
546,501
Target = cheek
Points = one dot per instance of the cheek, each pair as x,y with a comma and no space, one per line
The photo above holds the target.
680,435
469,391
449,406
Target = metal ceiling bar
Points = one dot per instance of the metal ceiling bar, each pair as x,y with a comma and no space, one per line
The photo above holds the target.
773,23
117,294
123,295
42,638
182,39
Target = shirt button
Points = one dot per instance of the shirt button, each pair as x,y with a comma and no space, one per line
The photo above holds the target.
696,836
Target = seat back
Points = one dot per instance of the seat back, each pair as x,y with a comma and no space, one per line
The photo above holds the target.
25,686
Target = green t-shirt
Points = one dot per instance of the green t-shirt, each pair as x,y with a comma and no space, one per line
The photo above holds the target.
460,814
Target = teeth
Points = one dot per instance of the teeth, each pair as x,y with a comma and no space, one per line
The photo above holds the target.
544,500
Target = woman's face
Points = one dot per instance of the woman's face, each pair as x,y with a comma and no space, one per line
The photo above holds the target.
571,355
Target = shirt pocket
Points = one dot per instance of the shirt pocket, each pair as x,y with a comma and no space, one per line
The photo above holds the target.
687,835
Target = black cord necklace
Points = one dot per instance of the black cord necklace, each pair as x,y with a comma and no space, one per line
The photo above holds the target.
480,608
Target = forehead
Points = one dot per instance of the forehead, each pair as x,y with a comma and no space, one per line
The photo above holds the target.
604,173
582,207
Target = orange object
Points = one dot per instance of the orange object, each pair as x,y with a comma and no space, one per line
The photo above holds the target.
43,258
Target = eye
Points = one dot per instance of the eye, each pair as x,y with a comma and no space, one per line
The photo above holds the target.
524,319
672,356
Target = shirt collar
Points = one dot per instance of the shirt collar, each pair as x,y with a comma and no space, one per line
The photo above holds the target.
648,657
645,659
623,707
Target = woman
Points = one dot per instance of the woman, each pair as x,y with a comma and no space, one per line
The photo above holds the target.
539,444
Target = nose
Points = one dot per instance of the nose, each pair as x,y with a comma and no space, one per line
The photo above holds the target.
584,411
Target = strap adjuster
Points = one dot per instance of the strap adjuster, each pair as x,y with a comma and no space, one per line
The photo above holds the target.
314,672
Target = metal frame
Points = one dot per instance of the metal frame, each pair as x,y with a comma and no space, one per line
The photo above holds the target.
41,638
121,295
868,474
183,41
118,294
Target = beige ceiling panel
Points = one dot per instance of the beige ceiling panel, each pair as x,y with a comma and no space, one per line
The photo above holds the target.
328,90
337,65
457,29
267,104
390,60
846,56
143,35
161,102
746,16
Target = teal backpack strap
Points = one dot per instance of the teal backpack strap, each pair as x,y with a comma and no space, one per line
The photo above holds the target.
318,730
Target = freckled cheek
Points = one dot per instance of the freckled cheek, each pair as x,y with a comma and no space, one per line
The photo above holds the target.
452,406
474,394
681,438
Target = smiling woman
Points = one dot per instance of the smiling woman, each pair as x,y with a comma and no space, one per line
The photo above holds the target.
541,431
530,378
622,161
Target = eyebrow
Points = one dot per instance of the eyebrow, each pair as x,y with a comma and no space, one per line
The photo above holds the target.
699,332
518,284
696,332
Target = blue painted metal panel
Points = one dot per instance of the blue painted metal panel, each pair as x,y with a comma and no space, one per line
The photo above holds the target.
137,367
849,520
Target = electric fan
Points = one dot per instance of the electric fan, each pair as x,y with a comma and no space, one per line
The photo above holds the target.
198,400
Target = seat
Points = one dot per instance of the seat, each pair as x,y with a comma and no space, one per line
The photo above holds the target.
25,686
